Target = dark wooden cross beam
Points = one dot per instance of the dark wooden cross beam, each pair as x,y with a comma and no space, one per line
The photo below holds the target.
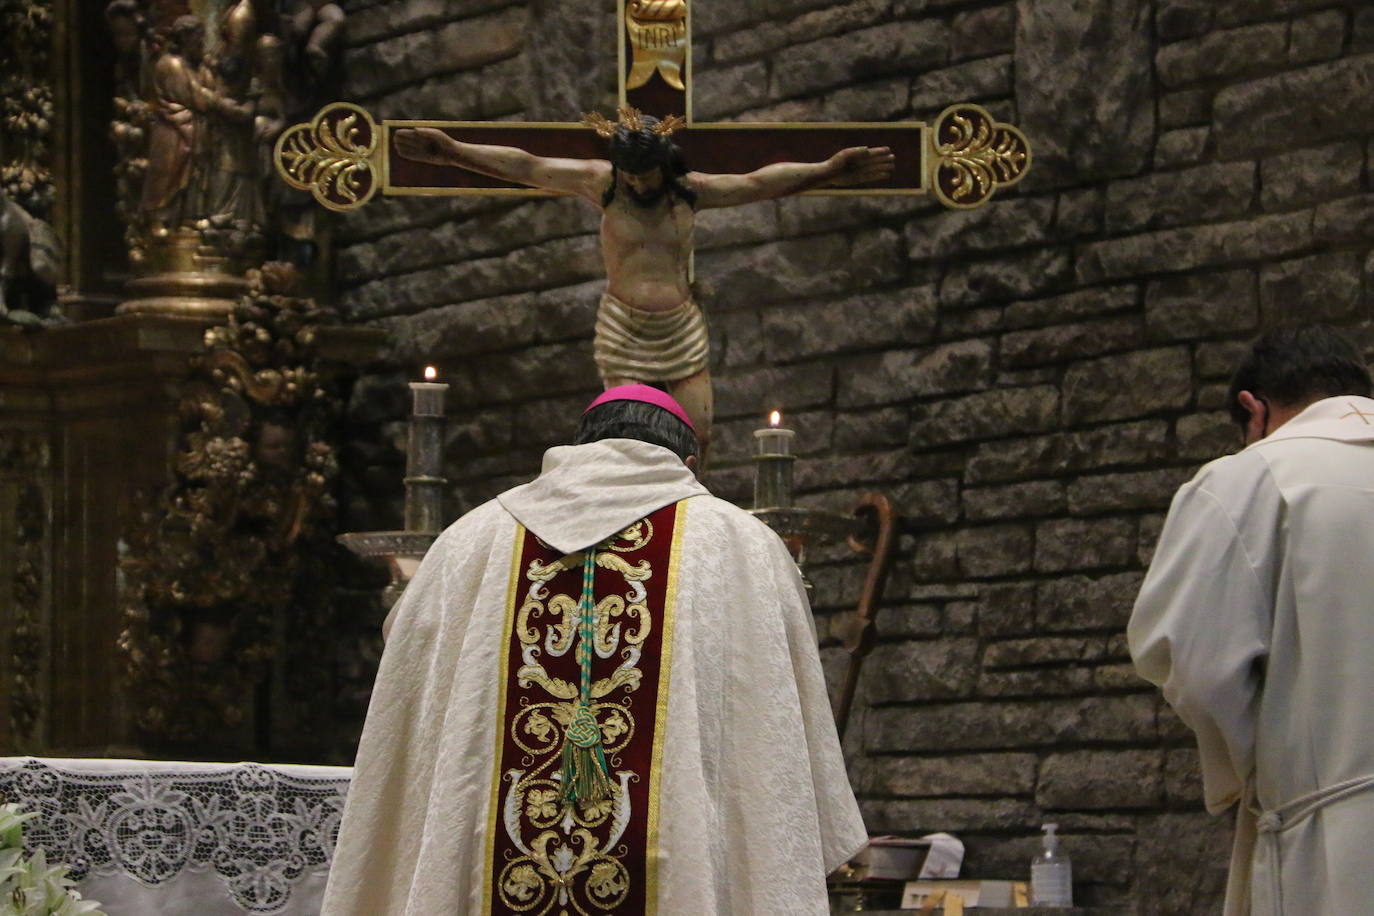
344,157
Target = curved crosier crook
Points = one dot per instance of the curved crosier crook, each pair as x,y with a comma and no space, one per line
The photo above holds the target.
877,510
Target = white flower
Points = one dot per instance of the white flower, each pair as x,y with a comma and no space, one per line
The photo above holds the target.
11,819
30,886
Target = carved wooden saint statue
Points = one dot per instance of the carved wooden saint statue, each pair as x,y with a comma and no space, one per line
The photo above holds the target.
648,329
199,101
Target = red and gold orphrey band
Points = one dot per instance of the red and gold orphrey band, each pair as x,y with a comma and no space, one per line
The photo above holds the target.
545,856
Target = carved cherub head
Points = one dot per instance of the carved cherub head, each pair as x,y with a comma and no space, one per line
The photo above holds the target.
275,447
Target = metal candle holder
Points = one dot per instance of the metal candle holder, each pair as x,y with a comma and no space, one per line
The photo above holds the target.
773,468
870,530
402,551
424,458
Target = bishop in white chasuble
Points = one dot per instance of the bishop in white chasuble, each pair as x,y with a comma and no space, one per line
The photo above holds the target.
601,694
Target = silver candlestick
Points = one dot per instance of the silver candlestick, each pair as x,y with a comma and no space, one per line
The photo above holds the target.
871,530
401,551
773,466
424,458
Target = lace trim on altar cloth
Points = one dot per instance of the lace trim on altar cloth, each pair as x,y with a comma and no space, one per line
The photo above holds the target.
261,830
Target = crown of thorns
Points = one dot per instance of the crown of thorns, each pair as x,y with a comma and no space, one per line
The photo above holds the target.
630,119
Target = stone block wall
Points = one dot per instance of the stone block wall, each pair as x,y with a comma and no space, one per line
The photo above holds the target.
1029,381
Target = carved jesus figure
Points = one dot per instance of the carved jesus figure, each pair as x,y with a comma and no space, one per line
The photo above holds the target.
648,329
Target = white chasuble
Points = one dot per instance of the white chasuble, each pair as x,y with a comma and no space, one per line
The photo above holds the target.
1257,618
609,618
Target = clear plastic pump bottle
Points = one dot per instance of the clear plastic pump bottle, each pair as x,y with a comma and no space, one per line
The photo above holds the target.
1051,873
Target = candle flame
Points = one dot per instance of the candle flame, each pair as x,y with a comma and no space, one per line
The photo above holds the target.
430,373
774,418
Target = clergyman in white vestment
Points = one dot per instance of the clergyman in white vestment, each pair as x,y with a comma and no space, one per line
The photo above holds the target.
600,694
1257,619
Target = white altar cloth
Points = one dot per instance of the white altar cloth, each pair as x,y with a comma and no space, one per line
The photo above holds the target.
148,837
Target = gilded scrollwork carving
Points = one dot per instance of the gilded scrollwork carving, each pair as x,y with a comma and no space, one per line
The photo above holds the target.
235,548
26,642
658,37
29,249
973,155
26,107
26,455
333,156
132,117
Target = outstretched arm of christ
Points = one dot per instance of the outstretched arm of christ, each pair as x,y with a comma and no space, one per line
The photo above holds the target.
853,166
585,178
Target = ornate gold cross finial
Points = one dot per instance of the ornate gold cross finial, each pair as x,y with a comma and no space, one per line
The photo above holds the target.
974,156
336,156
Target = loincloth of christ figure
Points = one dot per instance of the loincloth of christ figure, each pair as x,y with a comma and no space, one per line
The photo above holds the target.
648,328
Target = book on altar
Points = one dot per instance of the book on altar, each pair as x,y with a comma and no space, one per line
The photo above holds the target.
972,893
894,858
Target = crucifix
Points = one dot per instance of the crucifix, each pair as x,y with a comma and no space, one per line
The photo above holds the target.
343,157
635,170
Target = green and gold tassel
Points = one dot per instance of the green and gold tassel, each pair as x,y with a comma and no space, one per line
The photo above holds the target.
584,763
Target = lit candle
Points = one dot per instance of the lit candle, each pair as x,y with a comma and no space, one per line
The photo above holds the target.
773,465
774,439
424,455
428,396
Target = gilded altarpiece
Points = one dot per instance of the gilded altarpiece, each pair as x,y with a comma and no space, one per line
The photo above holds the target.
229,570
89,417
84,421
89,431
25,585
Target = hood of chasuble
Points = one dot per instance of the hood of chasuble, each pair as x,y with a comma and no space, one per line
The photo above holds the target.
586,493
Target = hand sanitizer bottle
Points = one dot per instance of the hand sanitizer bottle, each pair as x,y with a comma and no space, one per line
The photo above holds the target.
1051,873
